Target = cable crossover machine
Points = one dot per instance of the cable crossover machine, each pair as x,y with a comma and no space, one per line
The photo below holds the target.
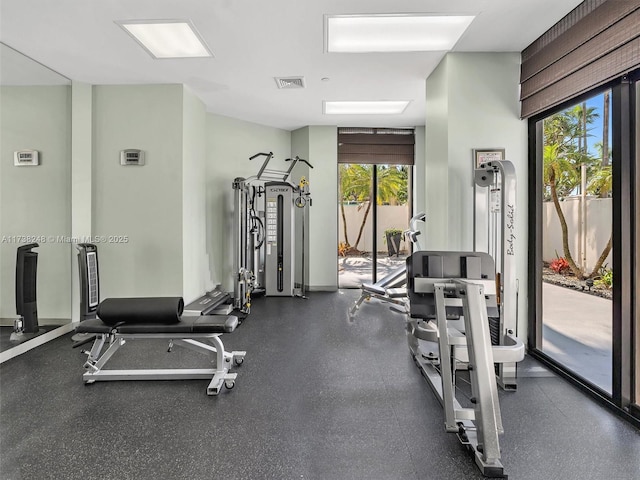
269,233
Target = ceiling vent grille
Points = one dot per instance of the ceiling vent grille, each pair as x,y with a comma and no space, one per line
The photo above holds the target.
290,82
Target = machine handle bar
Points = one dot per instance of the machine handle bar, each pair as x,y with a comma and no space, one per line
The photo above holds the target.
270,154
298,159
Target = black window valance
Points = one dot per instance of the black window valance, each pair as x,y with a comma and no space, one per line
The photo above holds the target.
376,145
595,43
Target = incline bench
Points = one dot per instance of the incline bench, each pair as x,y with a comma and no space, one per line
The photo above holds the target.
123,319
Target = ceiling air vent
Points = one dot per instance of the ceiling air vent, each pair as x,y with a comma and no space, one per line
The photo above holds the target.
290,82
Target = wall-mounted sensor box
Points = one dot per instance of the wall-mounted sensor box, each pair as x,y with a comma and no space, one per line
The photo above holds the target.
132,156
23,158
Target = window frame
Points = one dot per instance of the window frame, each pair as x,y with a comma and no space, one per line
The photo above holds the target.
624,397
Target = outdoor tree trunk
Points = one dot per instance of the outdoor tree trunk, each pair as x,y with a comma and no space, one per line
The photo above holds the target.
605,131
584,127
364,220
603,257
344,224
565,231
577,271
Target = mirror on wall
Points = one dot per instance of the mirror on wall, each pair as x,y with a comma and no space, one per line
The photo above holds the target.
35,199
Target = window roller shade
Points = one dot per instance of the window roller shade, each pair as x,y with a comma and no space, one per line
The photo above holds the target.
376,146
595,43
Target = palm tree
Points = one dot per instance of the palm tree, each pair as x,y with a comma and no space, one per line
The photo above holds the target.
356,185
564,152
601,182
605,129
558,169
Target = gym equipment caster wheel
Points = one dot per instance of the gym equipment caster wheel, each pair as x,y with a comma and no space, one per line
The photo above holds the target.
238,361
229,385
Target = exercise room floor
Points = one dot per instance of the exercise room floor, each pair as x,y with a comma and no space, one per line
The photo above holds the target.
318,397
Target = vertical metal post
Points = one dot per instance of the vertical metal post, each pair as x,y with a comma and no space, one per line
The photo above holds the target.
239,241
487,407
583,217
534,256
446,367
622,235
374,241
509,308
504,226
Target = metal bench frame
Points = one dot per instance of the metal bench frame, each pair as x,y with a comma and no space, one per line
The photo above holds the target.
219,375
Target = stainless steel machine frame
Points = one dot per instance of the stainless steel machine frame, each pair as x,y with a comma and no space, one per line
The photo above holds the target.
440,347
280,261
495,233
264,233
215,350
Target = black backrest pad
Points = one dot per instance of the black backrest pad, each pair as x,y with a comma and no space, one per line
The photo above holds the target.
141,310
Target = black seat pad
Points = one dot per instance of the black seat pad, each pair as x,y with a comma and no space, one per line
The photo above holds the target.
195,324
93,326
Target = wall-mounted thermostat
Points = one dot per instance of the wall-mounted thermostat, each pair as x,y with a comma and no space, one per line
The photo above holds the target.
23,158
132,156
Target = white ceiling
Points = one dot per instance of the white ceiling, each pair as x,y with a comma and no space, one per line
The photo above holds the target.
256,40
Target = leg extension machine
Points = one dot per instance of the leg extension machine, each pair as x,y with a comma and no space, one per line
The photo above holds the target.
452,295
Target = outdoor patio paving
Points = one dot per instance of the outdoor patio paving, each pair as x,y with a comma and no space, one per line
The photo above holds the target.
577,332
353,271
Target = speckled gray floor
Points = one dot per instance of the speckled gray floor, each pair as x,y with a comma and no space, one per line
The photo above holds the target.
318,397
6,331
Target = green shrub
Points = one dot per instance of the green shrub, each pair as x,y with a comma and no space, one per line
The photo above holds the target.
605,279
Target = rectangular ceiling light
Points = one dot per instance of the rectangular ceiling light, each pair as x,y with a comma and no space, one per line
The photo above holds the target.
393,33
167,38
379,107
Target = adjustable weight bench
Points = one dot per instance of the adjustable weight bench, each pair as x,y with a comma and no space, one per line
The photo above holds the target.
391,288
388,289
123,319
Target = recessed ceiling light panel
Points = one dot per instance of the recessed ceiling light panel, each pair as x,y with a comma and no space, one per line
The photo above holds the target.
377,107
167,38
393,33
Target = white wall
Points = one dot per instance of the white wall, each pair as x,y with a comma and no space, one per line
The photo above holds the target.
419,175
36,201
142,202
389,216
230,143
323,215
195,265
472,102
81,178
598,230
436,160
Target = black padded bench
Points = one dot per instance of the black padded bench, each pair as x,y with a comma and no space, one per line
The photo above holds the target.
201,333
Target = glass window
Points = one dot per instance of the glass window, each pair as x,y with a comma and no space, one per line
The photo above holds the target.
577,310
637,252
371,241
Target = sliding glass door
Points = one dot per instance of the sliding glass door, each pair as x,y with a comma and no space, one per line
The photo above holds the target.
374,211
635,408
584,265
577,310
374,206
